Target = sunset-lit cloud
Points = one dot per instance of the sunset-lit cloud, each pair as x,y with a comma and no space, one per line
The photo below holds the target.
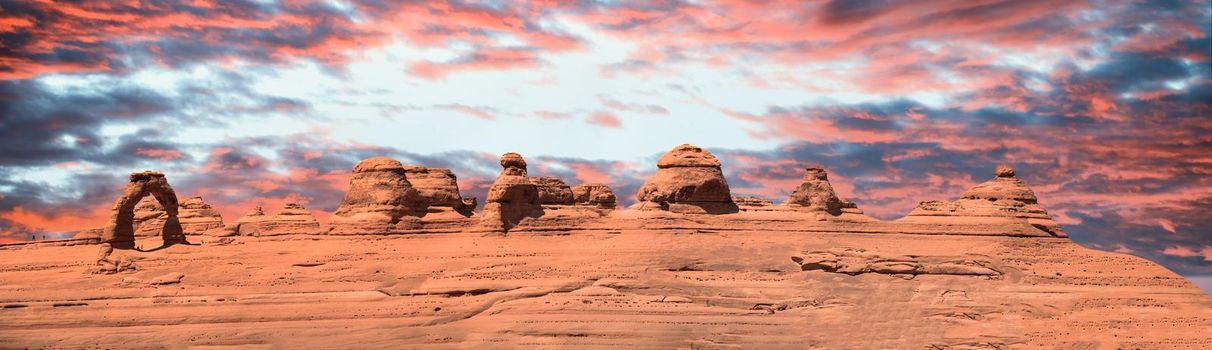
1103,107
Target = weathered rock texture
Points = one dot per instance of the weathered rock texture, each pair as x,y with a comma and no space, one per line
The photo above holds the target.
292,219
815,193
855,262
119,231
379,198
709,281
440,187
751,201
688,179
552,190
149,218
594,195
1003,198
512,197
198,217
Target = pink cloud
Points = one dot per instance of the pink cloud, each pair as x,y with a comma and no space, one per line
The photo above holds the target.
605,119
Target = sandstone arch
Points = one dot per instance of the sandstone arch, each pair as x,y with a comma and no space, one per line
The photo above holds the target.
119,231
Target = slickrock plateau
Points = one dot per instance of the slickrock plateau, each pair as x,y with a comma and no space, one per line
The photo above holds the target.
547,265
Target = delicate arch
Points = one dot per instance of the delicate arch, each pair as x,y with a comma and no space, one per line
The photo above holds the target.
120,232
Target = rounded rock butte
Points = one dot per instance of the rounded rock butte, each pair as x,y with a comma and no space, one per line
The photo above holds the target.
379,196
688,180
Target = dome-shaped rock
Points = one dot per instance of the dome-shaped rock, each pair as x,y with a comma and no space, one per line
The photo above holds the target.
688,179
379,196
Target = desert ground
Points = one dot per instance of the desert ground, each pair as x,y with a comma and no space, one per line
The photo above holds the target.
664,288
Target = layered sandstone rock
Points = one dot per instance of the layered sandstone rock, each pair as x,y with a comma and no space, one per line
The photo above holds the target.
379,198
689,180
552,190
752,201
816,194
292,219
119,231
1004,198
512,197
593,194
149,218
440,187
198,217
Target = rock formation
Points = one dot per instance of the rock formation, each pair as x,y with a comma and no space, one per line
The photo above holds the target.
119,231
149,218
688,180
594,194
752,201
440,187
1002,198
816,194
198,217
292,219
552,190
854,262
512,196
379,197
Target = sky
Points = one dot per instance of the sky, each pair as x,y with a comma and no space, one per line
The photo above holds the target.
1103,107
